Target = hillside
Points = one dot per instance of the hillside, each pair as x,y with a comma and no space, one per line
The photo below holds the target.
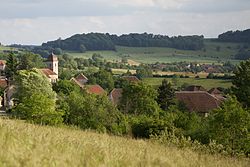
31,145
210,53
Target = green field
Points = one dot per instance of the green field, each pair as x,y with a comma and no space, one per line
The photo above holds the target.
30,145
206,83
209,54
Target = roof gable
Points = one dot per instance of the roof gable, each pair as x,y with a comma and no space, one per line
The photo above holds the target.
47,72
95,89
199,101
115,95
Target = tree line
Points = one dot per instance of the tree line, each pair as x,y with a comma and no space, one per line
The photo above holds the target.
235,36
99,41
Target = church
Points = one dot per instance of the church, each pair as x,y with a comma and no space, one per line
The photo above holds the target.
51,72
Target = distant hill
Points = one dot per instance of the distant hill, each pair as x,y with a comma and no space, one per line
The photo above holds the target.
99,41
235,36
25,144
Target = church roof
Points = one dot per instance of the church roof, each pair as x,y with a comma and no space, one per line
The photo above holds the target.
48,72
52,57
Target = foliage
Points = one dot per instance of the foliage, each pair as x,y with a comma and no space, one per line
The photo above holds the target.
98,41
104,78
166,95
144,126
11,66
36,99
38,108
144,72
241,86
65,87
230,125
94,112
139,99
29,61
235,36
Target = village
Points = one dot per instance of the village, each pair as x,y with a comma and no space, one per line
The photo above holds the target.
196,98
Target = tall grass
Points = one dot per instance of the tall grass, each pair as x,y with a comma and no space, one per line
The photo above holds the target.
32,145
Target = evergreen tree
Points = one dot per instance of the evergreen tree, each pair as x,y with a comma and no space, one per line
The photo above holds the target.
241,83
166,95
11,66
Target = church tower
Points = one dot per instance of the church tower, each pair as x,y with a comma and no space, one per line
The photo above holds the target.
52,63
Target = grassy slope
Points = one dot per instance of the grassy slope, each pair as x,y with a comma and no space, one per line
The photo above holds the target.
29,145
206,83
154,54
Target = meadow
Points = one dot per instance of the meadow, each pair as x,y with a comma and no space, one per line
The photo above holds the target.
213,52
206,83
29,145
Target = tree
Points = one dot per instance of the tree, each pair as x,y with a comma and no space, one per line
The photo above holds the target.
143,72
241,86
104,78
94,112
230,125
139,99
65,87
29,61
11,66
166,95
36,99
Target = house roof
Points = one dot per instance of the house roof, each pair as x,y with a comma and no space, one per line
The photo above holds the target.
76,82
214,91
131,78
48,72
81,76
52,57
3,83
195,88
115,95
95,89
2,62
199,101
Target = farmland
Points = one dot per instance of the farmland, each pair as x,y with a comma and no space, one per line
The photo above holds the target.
213,52
27,145
206,83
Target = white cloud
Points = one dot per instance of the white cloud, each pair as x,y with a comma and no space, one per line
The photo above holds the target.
36,21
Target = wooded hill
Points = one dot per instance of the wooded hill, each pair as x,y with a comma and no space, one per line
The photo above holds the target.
99,41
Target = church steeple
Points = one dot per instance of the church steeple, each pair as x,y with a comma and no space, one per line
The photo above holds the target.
52,63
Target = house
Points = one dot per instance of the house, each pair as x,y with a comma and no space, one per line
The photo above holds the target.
95,89
198,101
76,82
2,65
131,79
195,88
82,79
214,91
51,72
115,96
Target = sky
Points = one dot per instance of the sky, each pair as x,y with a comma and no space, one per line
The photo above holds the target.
37,21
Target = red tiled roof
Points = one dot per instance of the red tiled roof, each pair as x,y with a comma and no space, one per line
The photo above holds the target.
2,62
199,101
95,89
131,78
80,77
52,57
195,88
115,95
3,83
48,72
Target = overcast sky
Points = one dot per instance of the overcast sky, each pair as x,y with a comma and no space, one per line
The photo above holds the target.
37,21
